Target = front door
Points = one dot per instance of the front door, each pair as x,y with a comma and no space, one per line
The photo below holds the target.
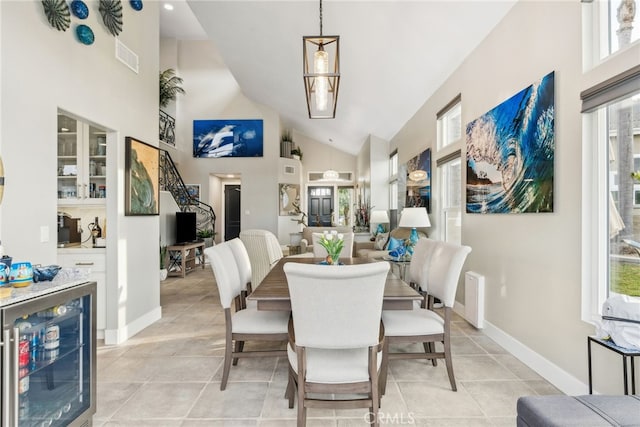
231,211
320,206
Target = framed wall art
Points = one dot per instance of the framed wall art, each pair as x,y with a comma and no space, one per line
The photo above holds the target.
289,194
419,181
142,175
227,138
193,190
510,153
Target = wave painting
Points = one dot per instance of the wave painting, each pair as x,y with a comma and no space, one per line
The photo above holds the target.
510,152
227,138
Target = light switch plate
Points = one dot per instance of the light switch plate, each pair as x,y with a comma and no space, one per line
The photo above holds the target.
44,233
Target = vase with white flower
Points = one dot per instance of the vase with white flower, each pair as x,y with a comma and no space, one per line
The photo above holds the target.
333,242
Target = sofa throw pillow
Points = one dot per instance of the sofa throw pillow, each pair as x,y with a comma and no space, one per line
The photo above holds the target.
394,243
381,241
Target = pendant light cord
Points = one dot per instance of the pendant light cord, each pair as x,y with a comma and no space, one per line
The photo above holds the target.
321,18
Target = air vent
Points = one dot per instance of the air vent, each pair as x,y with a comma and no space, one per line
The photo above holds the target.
289,170
126,56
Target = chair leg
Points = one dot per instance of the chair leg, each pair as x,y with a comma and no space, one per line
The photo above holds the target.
227,362
430,347
291,390
449,363
239,348
384,367
302,410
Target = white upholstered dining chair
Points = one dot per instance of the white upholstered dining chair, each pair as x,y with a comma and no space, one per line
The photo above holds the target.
423,325
264,252
336,336
244,323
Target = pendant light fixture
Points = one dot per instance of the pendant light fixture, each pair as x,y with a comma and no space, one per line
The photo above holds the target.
321,68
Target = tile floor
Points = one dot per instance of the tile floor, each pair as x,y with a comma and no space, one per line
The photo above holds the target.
169,375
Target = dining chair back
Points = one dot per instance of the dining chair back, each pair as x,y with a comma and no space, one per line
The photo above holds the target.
321,252
336,336
264,251
243,262
443,271
422,252
441,275
244,323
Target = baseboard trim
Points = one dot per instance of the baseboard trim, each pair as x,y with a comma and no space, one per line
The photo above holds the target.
118,336
548,370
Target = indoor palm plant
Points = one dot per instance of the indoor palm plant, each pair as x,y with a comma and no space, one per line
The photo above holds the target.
169,86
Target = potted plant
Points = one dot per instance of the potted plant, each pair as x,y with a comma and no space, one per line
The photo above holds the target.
296,153
163,268
207,235
169,86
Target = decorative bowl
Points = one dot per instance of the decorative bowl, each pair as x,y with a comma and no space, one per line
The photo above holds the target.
21,274
45,273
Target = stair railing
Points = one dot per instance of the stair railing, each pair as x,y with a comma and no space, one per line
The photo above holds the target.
171,181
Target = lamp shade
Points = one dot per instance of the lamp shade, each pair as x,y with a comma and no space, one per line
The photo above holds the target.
414,218
379,217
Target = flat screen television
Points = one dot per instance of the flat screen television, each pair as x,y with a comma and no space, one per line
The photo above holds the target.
186,227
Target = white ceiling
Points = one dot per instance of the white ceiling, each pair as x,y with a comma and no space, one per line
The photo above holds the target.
394,54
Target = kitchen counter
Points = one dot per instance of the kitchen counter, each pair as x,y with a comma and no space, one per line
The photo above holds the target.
38,289
82,250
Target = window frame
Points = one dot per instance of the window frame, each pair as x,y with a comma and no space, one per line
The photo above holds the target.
444,121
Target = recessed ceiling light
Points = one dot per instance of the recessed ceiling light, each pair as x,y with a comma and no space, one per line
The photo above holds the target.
168,6
230,175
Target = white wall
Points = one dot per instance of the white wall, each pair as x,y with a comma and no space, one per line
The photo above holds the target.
42,70
379,161
531,261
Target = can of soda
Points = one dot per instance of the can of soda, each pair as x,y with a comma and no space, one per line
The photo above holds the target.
52,337
23,351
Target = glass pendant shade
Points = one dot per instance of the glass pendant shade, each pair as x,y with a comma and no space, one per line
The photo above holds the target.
417,175
321,72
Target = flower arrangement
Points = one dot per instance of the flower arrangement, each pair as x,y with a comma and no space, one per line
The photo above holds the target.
333,242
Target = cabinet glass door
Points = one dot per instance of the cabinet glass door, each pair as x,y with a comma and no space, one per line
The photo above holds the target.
97,163
69,166
53,363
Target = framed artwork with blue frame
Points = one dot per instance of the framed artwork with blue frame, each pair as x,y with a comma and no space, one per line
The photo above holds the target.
227,138
510,153
419,181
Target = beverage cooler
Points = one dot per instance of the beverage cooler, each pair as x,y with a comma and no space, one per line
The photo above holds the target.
49,358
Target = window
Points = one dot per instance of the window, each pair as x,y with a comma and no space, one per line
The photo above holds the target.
450,123
345,204
612,143
611,26
393,189
450,178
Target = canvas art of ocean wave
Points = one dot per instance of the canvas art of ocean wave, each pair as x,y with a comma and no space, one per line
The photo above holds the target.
227,138
510,153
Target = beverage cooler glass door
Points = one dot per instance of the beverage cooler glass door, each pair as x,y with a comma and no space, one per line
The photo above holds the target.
52,359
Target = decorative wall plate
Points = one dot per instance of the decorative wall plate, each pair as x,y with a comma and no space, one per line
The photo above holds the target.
136,4
57,13
79,9
85,34
111,11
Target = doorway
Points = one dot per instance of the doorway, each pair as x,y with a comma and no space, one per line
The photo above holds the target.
231,211
320,206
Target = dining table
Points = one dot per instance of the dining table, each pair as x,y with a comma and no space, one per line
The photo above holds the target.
273,292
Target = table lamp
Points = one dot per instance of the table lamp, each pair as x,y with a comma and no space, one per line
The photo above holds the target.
379,217
414,218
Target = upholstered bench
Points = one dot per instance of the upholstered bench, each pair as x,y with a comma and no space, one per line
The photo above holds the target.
579,411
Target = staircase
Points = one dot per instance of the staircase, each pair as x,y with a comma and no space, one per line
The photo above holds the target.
171,181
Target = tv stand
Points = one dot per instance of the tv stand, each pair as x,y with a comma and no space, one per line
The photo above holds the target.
181,258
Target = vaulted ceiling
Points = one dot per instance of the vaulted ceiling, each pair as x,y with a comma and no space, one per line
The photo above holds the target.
394,54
